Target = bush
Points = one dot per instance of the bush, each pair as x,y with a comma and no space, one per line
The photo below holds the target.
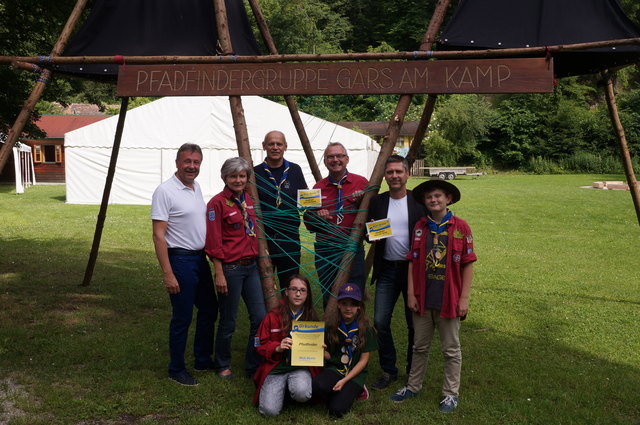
541,165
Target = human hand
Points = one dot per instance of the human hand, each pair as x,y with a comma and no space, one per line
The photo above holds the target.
324,214
171,283
221,284
412,303
463,307
339,385
285,344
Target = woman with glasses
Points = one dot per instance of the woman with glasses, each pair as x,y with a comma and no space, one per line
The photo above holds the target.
276,375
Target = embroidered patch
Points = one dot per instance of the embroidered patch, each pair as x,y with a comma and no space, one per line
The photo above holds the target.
457,234
415,255
229,202
469,251
256,341
418,232
456,258
469,238
212,215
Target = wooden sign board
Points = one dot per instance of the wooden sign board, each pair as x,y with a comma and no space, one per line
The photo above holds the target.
532,75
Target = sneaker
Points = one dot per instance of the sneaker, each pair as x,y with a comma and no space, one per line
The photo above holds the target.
184,378
448,404
226,374
384,381
402,394
364,395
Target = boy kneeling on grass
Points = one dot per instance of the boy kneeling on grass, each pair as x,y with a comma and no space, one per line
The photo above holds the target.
439,279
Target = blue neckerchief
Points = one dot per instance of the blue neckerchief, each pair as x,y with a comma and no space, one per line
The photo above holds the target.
295,316
248,222
436,228
339,202
348,332
277,184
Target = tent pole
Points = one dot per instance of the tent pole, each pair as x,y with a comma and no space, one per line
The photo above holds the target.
38,88
622,142
244,150
291,101
393,130
102,214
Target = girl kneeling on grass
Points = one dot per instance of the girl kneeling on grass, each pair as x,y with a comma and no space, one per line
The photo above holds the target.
349,338
275,374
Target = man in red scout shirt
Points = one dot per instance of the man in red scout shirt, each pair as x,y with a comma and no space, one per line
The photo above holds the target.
341,195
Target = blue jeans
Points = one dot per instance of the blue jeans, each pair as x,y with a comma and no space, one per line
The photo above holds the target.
328,258
196,288
392,281
241,281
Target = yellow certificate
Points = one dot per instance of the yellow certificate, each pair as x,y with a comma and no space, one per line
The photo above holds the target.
309,198
379,229
308,338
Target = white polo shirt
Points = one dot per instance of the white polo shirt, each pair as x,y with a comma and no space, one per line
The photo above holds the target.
185,212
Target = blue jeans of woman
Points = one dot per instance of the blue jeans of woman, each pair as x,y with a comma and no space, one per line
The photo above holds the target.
242,281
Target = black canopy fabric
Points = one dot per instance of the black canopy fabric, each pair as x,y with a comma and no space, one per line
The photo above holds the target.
499,24
155,27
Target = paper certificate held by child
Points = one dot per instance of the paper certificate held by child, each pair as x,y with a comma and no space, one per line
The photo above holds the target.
308,338
379,229
309,198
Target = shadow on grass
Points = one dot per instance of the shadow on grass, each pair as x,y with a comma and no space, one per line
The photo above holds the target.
98,352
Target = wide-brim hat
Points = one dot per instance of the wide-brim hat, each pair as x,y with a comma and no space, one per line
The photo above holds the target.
421,190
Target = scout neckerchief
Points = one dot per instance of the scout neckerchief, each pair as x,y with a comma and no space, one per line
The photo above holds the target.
339,202
436,229
277,184
294,318
349,332
248,222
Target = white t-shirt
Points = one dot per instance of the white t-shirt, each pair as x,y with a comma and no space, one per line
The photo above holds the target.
397,246
185,212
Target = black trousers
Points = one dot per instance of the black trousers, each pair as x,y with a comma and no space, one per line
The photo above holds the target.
339,402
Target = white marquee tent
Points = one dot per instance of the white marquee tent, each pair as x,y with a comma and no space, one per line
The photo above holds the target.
153,133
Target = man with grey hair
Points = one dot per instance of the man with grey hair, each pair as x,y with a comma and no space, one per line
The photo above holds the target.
332,223
178,215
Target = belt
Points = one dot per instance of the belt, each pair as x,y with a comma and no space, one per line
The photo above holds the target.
242,262
396,263
182,251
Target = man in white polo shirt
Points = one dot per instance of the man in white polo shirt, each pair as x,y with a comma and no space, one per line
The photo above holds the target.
178,214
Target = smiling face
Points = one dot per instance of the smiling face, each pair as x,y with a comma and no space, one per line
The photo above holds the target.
396,176
297,292
348,309
188,165
236,182
436,202
336,160
275,146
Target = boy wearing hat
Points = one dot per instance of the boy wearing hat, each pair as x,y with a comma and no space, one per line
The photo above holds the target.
439,283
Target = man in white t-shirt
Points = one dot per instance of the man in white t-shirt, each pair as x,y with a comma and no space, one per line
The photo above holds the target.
178,215
390,263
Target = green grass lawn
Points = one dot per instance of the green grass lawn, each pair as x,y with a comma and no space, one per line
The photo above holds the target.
552,335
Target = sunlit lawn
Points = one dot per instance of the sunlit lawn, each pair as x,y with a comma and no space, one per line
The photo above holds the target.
552,335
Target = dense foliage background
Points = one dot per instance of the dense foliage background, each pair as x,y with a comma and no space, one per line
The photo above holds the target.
566,131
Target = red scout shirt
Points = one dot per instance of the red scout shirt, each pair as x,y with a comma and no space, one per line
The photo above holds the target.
226,238
459,252
353,183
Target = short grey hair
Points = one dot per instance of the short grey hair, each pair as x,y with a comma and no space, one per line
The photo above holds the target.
235,165
332,144
188,147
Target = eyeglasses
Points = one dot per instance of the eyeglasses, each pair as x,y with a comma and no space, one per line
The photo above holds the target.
337,156
298,290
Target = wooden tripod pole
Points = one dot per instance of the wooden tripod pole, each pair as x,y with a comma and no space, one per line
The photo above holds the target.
393,130
102,214
38,89
291,102
244,150
622,142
